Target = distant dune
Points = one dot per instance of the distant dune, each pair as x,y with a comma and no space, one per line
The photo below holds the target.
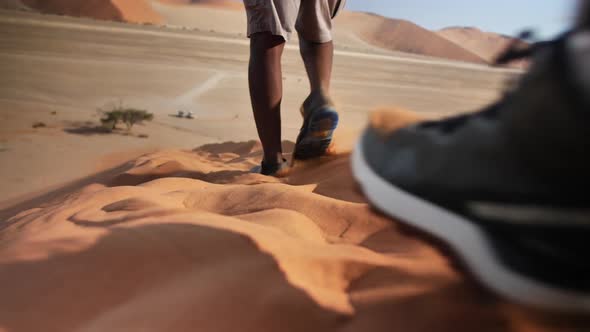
358,30
228,4
353,29
219,16
404,36
485,44
136,11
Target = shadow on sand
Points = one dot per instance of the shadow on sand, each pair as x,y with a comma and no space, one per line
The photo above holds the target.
90,129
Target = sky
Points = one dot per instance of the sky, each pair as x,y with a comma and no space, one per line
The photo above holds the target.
547,17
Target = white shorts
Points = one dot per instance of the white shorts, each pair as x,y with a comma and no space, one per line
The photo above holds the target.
311,18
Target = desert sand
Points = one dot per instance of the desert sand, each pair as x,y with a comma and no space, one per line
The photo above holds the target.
60,70
185,240
113,232
487,45
357,30
136,11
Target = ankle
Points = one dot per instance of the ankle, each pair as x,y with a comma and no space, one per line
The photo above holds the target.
273,159
317,98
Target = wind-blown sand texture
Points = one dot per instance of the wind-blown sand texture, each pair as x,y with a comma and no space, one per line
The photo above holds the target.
190,240
185,240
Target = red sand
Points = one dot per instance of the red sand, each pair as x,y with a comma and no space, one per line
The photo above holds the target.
137,11
189,240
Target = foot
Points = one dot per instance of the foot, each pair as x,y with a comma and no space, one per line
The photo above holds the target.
320,119
505,188
274,169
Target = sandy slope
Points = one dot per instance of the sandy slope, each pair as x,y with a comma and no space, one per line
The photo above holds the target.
59,70
352,29
404,36
205,17
227,4
357,30
485,44
188,240
185,240
137,11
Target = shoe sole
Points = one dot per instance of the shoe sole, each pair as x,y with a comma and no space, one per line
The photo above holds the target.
316,135
465,239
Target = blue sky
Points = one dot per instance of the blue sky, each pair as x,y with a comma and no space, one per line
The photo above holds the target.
547,17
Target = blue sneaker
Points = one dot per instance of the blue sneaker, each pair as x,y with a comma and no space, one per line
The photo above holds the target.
320,120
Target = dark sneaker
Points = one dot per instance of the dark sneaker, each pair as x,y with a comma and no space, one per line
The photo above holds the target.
272,169
505,188
320,119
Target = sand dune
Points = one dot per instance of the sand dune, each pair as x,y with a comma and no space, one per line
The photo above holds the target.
136,11
62,69
185,240
209,16
485,44
189,240
404,36
227,4
355,30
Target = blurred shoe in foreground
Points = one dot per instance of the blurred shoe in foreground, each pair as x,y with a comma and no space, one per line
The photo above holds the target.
506,188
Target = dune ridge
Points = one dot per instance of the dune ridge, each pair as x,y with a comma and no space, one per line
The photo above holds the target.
487,45
404,36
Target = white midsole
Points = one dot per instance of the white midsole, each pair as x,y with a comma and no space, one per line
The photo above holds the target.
465,239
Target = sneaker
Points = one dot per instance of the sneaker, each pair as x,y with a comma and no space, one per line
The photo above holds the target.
277,170
505,188
320,119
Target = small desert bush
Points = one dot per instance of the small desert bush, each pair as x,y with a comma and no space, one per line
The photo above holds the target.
129,116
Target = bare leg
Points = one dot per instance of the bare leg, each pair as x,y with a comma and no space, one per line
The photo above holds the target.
266,92
320,119
318,59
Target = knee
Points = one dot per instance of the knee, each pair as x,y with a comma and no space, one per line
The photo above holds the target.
263,41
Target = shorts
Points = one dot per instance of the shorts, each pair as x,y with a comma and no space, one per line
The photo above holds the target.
311,18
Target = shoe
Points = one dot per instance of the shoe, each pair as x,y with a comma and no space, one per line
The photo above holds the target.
320,120
505,188
272,169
